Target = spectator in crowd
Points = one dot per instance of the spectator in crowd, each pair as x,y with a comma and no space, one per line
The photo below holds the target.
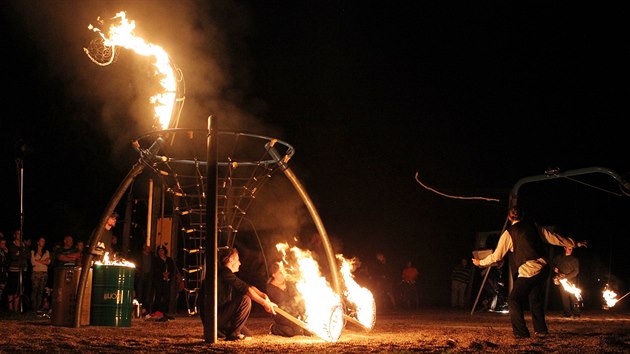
68,255
408,288
4,267
460,278
285,295
163,274
235,297
81,248
40,259
17,269
381,277
567,266
144,279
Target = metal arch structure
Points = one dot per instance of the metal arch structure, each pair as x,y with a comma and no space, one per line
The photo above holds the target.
553,174
245,163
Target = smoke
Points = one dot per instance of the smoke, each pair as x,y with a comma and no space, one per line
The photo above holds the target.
206,41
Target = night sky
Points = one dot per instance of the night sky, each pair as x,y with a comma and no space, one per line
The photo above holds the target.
471,96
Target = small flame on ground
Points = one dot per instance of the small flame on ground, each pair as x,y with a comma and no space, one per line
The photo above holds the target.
569,287
122,35
116,262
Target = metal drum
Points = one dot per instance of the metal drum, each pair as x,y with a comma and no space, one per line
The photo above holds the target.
112,295
64,296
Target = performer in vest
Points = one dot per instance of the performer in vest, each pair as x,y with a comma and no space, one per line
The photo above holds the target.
526,241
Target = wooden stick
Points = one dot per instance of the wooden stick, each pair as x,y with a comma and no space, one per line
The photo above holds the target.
356,322
289,317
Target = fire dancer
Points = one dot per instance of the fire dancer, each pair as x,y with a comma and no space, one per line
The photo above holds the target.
234,300
285,294
526,242
567,266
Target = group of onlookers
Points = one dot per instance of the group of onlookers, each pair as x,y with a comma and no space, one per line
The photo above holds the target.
27,271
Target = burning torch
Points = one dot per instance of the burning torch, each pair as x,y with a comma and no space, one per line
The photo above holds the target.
610,297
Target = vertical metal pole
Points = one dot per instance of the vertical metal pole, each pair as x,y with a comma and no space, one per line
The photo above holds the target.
20,242
150,212
210,284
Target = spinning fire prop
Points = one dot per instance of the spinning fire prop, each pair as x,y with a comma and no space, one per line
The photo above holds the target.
610,297
324,310
102,51
570,288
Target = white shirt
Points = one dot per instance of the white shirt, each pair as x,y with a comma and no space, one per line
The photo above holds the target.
531,267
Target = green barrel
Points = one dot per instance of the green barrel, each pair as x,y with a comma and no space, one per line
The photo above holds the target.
112,294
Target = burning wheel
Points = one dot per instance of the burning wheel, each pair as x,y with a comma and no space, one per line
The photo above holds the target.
100,53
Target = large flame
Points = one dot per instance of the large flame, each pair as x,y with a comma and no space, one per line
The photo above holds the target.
360,297
122,35
323,309
569,287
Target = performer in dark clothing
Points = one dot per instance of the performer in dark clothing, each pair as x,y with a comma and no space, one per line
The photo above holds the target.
285,295
234,298
567,266
106,236
526,240
163,273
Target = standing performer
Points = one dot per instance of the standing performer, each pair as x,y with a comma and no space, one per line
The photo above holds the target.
567,266
526,242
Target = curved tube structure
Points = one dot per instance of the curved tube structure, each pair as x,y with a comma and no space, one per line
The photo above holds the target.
332,262
145,157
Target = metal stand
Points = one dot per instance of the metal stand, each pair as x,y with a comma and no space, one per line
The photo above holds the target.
20,167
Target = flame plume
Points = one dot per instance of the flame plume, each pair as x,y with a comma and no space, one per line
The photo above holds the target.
360,297
122,35
569,287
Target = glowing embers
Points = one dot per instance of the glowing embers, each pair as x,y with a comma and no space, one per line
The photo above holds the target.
122,35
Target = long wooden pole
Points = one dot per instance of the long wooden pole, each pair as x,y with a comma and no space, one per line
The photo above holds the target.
288,316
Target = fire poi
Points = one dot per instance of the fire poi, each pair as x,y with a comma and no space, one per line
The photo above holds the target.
610,297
